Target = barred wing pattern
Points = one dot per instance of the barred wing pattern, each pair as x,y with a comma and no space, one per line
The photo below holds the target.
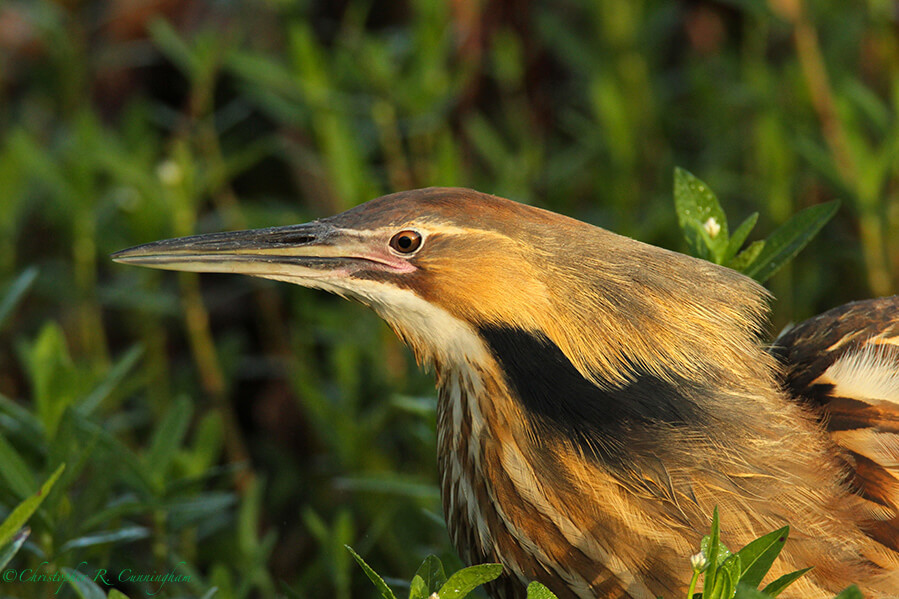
844,365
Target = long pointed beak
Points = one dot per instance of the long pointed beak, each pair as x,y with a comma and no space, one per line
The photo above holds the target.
312,250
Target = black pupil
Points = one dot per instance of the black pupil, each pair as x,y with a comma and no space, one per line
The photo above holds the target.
406,241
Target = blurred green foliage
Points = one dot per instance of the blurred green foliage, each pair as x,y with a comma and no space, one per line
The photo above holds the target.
243,432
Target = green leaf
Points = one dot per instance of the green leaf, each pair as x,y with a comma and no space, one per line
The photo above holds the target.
117,594
24,510
739,236
112,380
700,217
432,573
487,141
186,512
15,472
207,595
16,292
788,239
850,592
13,547
757,556
130,465
391,483
468,579
207,444
340,534
747,256
172,45
538,591
167,439
714,551
745,591
72,447
83,586
418,589
266,76
249,516
55,381
726,580
776,588
373,576
122,535
22,423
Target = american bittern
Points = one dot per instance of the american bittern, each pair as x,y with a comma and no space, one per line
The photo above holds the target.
599,396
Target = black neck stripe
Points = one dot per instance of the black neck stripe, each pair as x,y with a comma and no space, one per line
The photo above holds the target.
559,400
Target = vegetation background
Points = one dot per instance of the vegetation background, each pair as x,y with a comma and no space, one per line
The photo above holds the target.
247,430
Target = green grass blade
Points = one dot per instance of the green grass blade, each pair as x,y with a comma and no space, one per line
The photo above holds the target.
742,260
15,471
12,549
120,536
167,438
131,466
195,509
757,556
777,587
789,239
373,576
739,236
16,292
22,424
172,45
83,586
392,484
113,379
26,509
468,579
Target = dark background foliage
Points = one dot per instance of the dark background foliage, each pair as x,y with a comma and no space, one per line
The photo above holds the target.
250,429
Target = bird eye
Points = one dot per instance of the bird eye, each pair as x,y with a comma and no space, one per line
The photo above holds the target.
406,242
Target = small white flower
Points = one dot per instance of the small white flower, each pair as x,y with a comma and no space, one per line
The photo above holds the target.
169,172
712,227
434,596
699,562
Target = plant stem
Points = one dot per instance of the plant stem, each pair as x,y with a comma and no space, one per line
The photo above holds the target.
808,49
693,582
211,375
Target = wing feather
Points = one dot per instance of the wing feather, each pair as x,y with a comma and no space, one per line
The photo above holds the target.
844,366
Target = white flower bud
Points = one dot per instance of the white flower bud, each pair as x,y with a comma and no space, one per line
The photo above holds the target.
699,562
712,227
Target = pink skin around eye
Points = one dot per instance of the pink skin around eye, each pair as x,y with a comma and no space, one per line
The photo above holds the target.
385,260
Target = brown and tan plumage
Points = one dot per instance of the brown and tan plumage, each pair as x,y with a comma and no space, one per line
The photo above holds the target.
844,366
599,396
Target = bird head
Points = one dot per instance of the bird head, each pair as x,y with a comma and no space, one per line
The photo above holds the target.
445,266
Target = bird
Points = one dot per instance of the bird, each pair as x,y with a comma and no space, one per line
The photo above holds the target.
598,397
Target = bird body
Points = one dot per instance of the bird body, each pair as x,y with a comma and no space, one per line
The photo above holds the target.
598,396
